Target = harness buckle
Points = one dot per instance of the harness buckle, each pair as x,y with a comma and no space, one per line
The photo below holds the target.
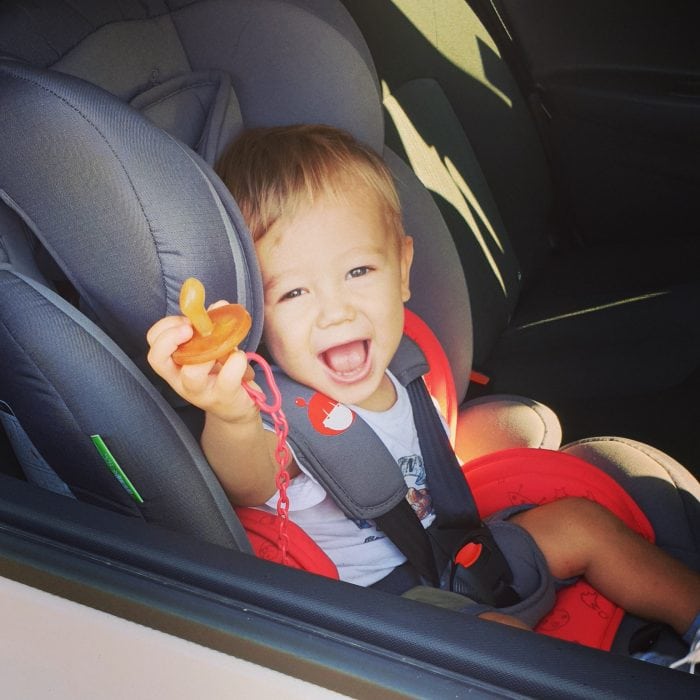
479,571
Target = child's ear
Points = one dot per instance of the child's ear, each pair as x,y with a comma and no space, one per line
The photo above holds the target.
406,260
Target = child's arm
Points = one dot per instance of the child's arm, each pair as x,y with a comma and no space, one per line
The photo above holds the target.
239,449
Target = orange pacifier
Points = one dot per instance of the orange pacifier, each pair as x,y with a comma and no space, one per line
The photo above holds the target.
217,332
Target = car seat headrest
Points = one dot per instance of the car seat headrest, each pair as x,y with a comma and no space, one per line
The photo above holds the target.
288,62
126,210
199,108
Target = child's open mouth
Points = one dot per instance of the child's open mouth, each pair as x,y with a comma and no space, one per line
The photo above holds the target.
348,362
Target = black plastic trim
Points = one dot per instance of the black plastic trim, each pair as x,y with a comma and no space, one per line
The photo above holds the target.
358,641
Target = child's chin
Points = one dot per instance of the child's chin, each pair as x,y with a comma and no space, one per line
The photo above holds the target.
348,394
355,393
369,396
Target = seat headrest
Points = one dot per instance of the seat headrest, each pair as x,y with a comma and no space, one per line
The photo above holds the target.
127,211
204,69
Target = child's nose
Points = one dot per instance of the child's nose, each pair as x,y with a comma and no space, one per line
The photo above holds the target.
335,307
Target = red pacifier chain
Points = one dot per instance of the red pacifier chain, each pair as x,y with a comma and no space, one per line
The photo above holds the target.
217,334
281,427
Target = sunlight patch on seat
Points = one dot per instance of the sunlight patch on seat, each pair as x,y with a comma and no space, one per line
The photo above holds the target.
592,309
472,200
442,177
455,32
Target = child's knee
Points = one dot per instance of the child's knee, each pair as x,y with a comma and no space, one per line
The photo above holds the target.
573,512
568,531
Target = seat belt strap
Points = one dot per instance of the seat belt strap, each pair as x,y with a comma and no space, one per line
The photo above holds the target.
464,550
455,505
403,527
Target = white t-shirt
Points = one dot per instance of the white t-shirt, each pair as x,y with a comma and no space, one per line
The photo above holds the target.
361,552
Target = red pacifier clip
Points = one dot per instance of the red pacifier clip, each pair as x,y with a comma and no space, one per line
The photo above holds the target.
281,427
217,334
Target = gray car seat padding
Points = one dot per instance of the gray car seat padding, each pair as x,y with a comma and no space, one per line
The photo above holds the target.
117,202
17,244
207,98
439,292
65,380
129,48
286,64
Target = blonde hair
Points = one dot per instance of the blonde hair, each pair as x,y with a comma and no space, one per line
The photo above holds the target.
273,172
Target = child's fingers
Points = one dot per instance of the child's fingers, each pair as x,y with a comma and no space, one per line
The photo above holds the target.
233,371
165,324
159,326
195,379
217,304
164,343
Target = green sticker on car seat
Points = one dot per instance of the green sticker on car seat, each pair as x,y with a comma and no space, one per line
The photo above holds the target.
114,467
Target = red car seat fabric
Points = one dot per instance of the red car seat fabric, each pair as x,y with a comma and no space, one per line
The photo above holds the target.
303,553
499,480
439,379
517,476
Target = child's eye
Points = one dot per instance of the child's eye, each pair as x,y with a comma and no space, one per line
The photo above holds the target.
293,294
359,271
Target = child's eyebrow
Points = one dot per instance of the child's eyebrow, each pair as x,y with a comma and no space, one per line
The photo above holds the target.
278,280
271,283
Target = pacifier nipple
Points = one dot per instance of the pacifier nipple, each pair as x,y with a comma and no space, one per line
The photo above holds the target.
217,333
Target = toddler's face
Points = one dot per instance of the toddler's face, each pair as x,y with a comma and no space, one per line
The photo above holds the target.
335,280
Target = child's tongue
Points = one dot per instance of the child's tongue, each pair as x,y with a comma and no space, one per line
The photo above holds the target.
346,358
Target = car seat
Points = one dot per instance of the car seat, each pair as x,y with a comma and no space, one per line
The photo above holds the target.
63,379
605,334
107,201
203,88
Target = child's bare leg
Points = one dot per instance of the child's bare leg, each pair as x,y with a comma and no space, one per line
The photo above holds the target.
581,538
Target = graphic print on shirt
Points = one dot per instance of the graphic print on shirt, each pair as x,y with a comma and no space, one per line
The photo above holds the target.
418,495
326,415
363,524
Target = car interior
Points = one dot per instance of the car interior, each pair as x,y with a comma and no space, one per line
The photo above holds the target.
575,223
564,313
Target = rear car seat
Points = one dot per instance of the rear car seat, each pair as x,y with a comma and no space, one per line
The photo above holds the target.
605,335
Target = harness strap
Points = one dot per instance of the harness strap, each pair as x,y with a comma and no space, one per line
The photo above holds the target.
375,488
402,526
455,505
462,547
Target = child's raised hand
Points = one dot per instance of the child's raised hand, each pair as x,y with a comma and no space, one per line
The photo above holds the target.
211,386
197,354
